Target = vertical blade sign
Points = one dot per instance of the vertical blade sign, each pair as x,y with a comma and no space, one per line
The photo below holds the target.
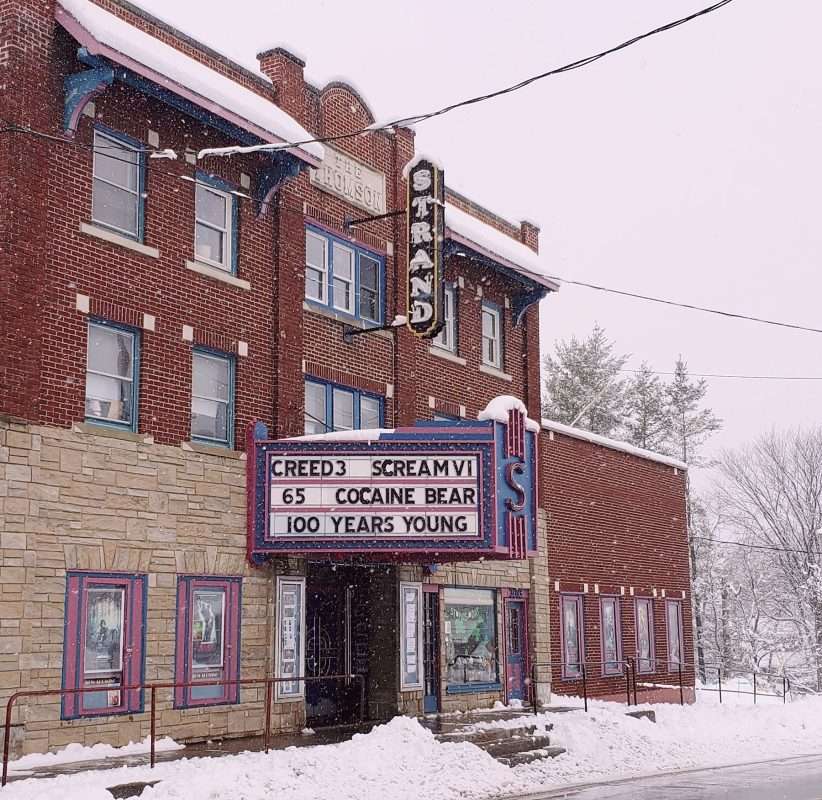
426,232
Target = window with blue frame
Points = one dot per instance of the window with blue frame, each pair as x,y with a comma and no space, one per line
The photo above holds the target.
118,177
447,337
212,398
330,407
111,375
343,277
471,649
215,223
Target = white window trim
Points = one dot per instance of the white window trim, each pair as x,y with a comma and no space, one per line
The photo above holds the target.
110,236
450,327
405,687
282,581
218,274
351,282
378,290
495,312
227,402
497,373
227,232
447,355
323,298
94,177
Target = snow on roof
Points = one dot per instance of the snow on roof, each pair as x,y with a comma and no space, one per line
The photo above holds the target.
105,34
478,235
499,407
613,444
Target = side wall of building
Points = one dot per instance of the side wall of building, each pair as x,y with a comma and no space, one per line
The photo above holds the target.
616,528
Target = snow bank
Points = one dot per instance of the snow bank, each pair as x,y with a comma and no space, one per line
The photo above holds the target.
403,761
75,752
396,761
613,444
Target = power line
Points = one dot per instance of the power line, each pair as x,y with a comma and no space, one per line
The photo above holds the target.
740,377
690,306
759,546
417,118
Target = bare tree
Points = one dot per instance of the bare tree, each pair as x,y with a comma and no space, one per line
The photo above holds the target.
771,494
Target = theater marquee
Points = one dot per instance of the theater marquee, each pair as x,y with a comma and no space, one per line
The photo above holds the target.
442,491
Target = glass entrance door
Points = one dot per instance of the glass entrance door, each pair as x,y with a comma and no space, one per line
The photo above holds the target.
515,649
431,651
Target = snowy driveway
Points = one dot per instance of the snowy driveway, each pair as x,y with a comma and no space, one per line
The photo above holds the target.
797,778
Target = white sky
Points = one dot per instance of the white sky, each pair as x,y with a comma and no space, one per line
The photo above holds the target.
687,166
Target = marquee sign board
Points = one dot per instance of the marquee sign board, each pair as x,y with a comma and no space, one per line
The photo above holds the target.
434,492
426,233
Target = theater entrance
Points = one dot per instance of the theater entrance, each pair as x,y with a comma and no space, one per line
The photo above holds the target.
350,629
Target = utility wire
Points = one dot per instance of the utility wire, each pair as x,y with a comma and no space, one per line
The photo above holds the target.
414,119
690,306
758,546
740,377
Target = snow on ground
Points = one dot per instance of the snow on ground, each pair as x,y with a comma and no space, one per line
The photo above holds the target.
401,760
74,753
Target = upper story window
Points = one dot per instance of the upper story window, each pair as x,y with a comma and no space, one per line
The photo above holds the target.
329,407
111,375
215,224
212,398
343,277
491,335
447,337
117,184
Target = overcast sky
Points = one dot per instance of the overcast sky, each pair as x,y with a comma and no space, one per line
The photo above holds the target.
687,166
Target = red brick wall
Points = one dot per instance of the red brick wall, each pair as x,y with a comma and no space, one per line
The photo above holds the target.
618,521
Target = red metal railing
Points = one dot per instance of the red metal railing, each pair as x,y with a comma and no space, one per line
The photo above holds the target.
152,688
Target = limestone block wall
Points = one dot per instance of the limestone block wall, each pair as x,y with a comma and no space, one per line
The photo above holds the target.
86,499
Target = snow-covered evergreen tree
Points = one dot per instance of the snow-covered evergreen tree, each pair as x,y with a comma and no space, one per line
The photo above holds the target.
648,421
690,425
583,385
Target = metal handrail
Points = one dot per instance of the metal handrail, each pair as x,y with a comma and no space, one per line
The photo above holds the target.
782,677
152,687
629,671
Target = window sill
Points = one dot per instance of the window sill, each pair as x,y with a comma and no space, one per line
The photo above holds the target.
345,319
213,450
496,373
217,274
441,352
97,429
115,238
474,689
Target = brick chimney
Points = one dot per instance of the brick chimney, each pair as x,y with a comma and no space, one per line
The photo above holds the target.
529,235
285,71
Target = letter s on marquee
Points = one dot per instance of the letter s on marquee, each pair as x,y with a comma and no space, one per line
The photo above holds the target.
514,469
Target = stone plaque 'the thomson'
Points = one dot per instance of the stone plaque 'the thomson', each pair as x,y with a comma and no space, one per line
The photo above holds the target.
343,176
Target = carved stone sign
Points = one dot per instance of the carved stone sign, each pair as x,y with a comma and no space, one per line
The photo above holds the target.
359,185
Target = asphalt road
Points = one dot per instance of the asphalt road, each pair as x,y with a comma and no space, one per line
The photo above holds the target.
798,778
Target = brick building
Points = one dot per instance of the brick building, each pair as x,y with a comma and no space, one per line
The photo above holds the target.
158,300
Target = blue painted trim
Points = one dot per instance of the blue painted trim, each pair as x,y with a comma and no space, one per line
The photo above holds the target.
136,145
207,179
358,250
470,688
230,422
81,87
165,95
271,180
135,378
522,301
329,387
